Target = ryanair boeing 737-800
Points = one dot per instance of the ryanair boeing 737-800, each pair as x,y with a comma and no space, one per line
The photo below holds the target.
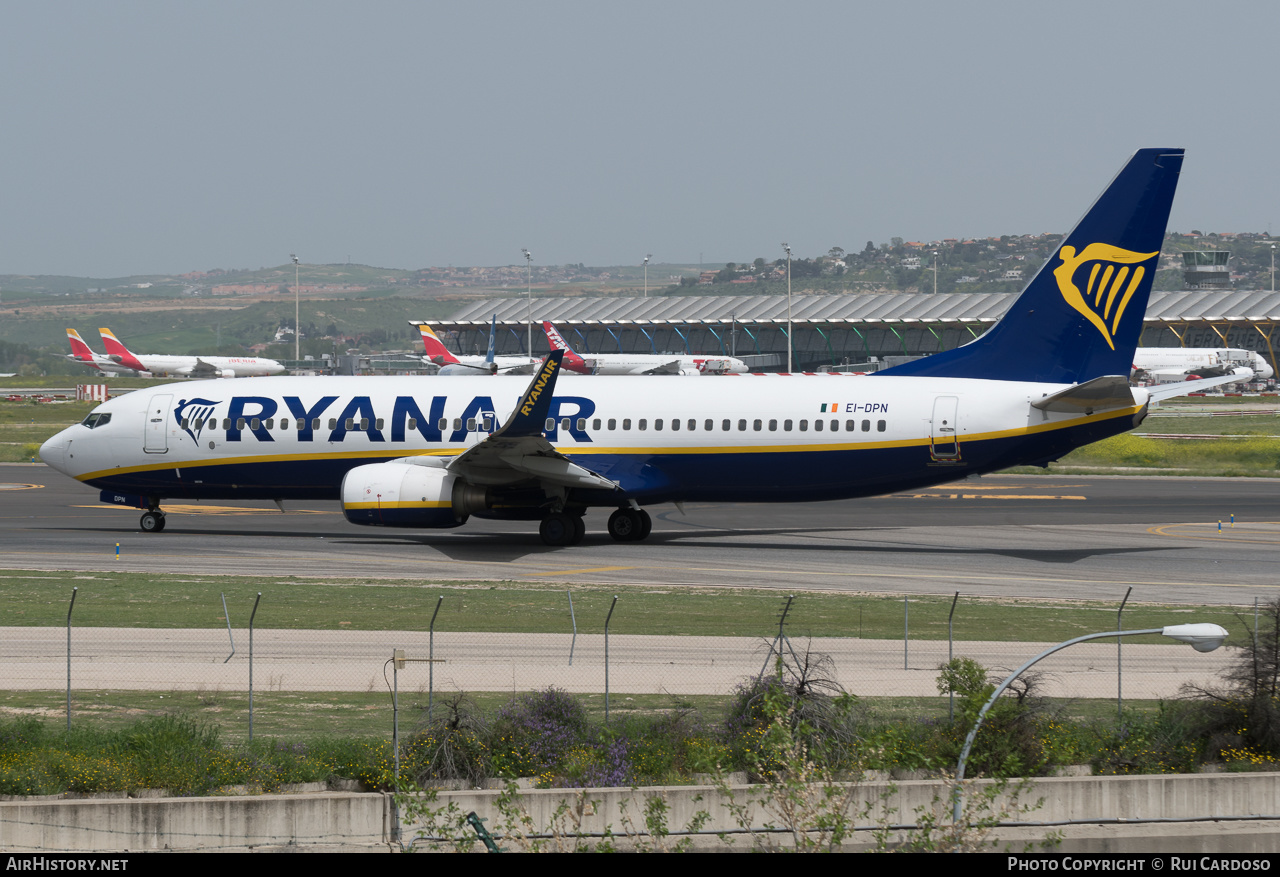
424,452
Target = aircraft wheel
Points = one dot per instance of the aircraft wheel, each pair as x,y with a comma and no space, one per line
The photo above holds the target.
646,525
626,525
579,528
152,522
557,529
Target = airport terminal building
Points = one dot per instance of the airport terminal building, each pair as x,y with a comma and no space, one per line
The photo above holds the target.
833,331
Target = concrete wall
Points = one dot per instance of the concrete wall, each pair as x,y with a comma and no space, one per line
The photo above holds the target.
1208,808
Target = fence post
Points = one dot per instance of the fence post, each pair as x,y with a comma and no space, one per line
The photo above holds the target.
606,657
951,656
906,628
574,622
69,608
431,663
776,645
1119,665
227,616
252,615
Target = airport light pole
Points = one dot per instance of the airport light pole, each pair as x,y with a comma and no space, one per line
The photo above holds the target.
786,246
296,309
646,274
935,272
528,258
1273,267
1202,637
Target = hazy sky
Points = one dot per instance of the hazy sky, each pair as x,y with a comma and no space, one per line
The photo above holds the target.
161,137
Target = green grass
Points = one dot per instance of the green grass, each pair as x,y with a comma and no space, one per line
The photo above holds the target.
1190,424
39,598
1225,456
302,714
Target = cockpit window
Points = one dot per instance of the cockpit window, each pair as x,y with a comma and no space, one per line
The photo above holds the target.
94,420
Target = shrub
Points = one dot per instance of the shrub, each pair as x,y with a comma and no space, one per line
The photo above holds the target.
1010,743
1242,713
802,694
453,747
535,732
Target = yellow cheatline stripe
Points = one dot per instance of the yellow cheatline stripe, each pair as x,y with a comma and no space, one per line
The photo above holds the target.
571,450
210,510
403,504
574,572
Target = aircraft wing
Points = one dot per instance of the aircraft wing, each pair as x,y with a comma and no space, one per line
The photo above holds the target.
519,451
201,369
667,368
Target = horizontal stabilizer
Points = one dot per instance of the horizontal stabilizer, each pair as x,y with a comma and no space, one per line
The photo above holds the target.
1099,394
1182,388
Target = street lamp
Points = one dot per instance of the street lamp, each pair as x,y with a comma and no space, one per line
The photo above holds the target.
786,246
935,272
528,258
1202,637
296,330
1273,267
646,274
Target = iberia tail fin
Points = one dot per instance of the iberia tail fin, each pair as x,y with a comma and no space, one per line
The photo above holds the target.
118,352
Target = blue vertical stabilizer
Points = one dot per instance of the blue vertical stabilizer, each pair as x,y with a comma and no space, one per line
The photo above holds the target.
1080,317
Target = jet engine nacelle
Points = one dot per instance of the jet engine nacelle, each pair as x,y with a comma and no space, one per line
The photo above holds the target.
226,373
407,495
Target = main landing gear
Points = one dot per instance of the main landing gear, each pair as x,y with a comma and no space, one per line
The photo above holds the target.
152,521
630,525
561,529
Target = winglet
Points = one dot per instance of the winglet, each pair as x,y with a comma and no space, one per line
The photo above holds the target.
530,415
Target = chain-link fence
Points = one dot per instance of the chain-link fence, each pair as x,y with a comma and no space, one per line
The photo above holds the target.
275,669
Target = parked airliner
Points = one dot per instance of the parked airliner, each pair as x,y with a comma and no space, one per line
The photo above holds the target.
640,363
424,452
163,366
1179,363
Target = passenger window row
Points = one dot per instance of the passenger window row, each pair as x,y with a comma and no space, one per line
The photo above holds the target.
691,425
486,424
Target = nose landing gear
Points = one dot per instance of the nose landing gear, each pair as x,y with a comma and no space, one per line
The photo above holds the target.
152,521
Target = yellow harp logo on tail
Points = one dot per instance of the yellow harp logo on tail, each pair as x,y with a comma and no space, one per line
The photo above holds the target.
1112,280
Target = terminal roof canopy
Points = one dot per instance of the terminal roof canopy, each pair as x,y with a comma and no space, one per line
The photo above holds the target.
964,307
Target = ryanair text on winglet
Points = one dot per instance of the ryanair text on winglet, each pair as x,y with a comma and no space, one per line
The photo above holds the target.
532,399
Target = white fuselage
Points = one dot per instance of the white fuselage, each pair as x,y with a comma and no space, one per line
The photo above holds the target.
643,363
161,365
748,437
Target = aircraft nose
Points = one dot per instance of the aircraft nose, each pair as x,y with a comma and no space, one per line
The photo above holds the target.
54,451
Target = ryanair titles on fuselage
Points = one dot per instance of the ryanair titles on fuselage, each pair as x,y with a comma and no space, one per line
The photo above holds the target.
331,419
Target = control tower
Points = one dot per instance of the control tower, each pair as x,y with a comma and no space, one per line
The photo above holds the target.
1206,269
